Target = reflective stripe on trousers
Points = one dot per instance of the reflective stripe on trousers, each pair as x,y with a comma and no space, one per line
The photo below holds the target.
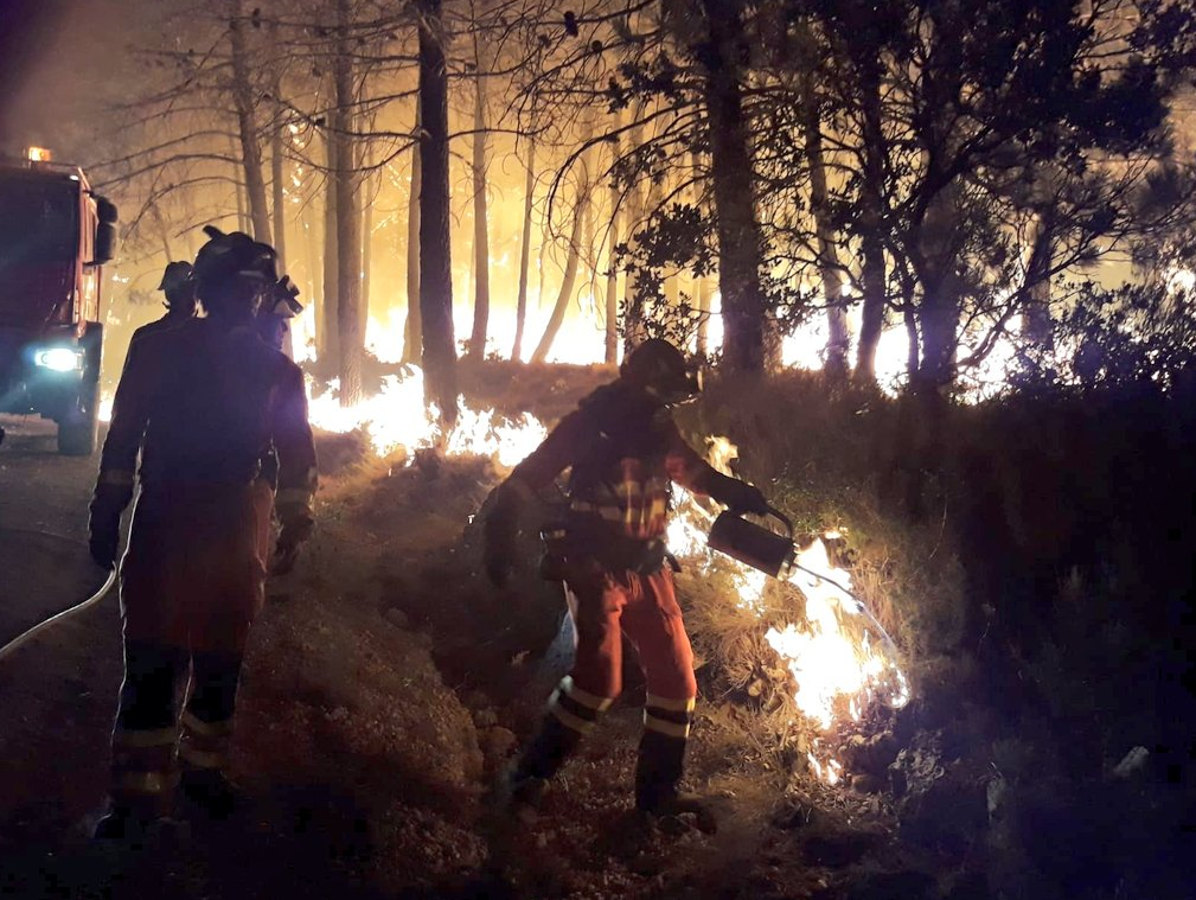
606,605
147,733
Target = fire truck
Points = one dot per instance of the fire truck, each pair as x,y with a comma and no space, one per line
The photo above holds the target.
55,235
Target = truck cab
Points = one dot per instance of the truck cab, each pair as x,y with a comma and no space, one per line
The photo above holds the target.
55,235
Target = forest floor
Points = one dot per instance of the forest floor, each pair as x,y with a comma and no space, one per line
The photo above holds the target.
386,687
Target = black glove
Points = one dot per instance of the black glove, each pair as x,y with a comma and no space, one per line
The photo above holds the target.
286,550
741,497
103,543
498,534
498,559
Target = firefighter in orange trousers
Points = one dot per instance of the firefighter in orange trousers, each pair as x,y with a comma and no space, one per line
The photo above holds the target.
201,403
623,449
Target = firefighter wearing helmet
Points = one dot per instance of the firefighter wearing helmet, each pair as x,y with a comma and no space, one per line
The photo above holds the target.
622,449
178,286
201,403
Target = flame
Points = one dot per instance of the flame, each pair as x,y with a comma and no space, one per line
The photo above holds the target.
384,339
397,419
836,664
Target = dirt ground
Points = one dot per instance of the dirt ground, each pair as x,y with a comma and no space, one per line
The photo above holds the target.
385,688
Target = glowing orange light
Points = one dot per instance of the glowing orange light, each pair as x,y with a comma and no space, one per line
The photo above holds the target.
39,154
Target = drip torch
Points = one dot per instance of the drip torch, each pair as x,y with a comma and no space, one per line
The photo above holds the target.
775,555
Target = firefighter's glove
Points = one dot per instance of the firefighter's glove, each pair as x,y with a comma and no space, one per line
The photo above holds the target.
741,497
498,533
498,559
107,505
286,551
103,544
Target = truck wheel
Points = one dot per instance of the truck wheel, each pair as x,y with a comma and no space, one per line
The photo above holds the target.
79,433
79,430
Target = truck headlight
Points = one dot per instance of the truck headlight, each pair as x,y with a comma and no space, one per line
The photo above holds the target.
59,359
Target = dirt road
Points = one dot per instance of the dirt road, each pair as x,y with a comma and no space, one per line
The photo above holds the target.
58,691
57,699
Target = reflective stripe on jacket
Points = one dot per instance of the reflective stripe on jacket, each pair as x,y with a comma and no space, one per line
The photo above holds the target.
623,450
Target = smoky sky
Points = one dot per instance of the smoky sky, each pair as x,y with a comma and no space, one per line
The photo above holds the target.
26,29
62,65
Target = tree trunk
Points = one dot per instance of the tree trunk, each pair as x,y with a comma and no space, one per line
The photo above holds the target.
873,278
611,354
315,273
939,312
1038,328
571,266
481,229
330,350
368,195
234,157
278,174
701,282
702,341
278,169
277,177
634,332
243,101
912,355
413,331
740,243
436,278
525,250
830,273
348,217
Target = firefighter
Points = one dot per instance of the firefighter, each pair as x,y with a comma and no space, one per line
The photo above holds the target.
273,320
272,323
178,286
623,449
202,403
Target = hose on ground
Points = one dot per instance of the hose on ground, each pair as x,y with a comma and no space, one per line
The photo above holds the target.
28,635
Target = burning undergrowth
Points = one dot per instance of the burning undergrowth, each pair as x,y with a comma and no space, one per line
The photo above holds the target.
807,659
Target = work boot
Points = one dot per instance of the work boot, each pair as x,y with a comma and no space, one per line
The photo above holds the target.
657,775
516,795
523,784
211,792
543,757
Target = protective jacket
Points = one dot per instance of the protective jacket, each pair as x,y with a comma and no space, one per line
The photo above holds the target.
203,402
166,323
623,450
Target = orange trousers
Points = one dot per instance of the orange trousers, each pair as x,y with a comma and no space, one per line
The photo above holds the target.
606,604
193,576
192,583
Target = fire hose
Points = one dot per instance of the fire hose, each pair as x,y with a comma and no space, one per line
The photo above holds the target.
28,635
